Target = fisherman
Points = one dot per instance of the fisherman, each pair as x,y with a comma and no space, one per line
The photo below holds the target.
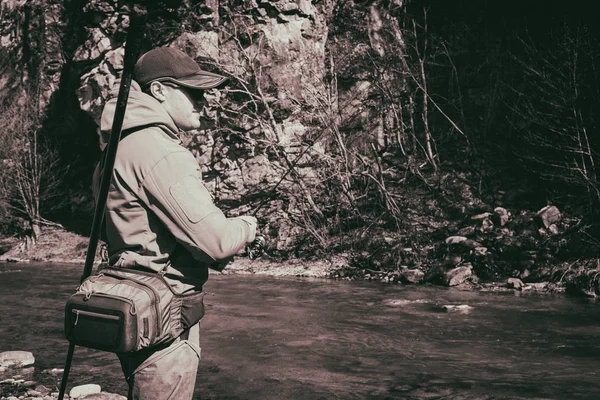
159,216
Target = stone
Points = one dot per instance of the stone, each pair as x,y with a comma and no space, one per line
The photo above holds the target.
466,231
412,276
104,396
480,251
458,275
514,283
471,244
538,286
548,216
84,390
481,216
501,216
16,359
457,308
53,371
486,225
455,239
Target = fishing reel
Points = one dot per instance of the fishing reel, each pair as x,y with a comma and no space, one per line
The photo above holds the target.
257,247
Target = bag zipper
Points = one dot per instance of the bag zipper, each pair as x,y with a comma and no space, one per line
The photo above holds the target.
92,314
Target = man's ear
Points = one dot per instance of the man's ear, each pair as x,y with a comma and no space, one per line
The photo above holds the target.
158,91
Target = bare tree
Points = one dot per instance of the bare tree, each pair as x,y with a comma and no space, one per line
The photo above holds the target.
30,169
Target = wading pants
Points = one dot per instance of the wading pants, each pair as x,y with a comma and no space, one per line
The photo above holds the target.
164,373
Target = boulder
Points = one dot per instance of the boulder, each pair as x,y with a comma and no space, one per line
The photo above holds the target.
16,359
514,283
455,239
548,215
412,276
458,275
83,391
500,216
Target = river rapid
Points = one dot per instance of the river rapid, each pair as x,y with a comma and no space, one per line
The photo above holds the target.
298,338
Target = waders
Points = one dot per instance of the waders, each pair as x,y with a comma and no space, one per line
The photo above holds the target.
135,34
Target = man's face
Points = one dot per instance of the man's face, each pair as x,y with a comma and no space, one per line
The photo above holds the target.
185,106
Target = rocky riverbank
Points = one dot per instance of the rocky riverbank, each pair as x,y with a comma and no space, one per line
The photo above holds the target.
493,249
16,381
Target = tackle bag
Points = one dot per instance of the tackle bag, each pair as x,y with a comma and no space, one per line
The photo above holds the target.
123,310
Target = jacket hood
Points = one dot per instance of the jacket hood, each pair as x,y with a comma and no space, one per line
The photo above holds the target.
142,109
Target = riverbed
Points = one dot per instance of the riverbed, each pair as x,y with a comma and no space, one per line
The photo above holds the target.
306,338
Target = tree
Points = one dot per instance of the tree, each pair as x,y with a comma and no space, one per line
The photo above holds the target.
30,170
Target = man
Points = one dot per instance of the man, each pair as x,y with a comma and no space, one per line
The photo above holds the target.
159,215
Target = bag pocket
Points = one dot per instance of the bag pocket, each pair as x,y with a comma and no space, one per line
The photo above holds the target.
192,309
101,322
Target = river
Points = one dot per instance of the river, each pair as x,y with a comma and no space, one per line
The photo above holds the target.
298,338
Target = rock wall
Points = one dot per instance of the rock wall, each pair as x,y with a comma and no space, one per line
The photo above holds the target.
274,53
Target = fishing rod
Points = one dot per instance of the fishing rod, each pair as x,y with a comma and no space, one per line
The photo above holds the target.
132,52
257,248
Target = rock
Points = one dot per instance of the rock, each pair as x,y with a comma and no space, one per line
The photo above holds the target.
42,389
466,231
480,251
486,225
457,308
16,359
84,390
103,396
537,286
53,371
435,274
471,244
455,239
412,276
481,216
452,259
500,216
458,275
514,283
548,216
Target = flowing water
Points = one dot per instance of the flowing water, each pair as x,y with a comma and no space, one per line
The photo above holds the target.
274,338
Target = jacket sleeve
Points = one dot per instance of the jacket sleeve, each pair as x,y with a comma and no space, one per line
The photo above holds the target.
174,191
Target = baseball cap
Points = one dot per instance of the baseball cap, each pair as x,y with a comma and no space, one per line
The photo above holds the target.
167,64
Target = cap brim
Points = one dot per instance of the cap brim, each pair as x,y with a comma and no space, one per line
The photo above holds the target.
201,80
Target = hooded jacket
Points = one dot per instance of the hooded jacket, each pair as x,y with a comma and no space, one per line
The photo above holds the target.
157,201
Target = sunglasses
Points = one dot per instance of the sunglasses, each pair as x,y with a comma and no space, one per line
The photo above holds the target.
195,94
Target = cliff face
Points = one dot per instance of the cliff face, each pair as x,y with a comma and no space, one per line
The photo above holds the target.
273,51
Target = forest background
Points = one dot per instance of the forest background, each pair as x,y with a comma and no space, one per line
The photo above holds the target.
412,139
